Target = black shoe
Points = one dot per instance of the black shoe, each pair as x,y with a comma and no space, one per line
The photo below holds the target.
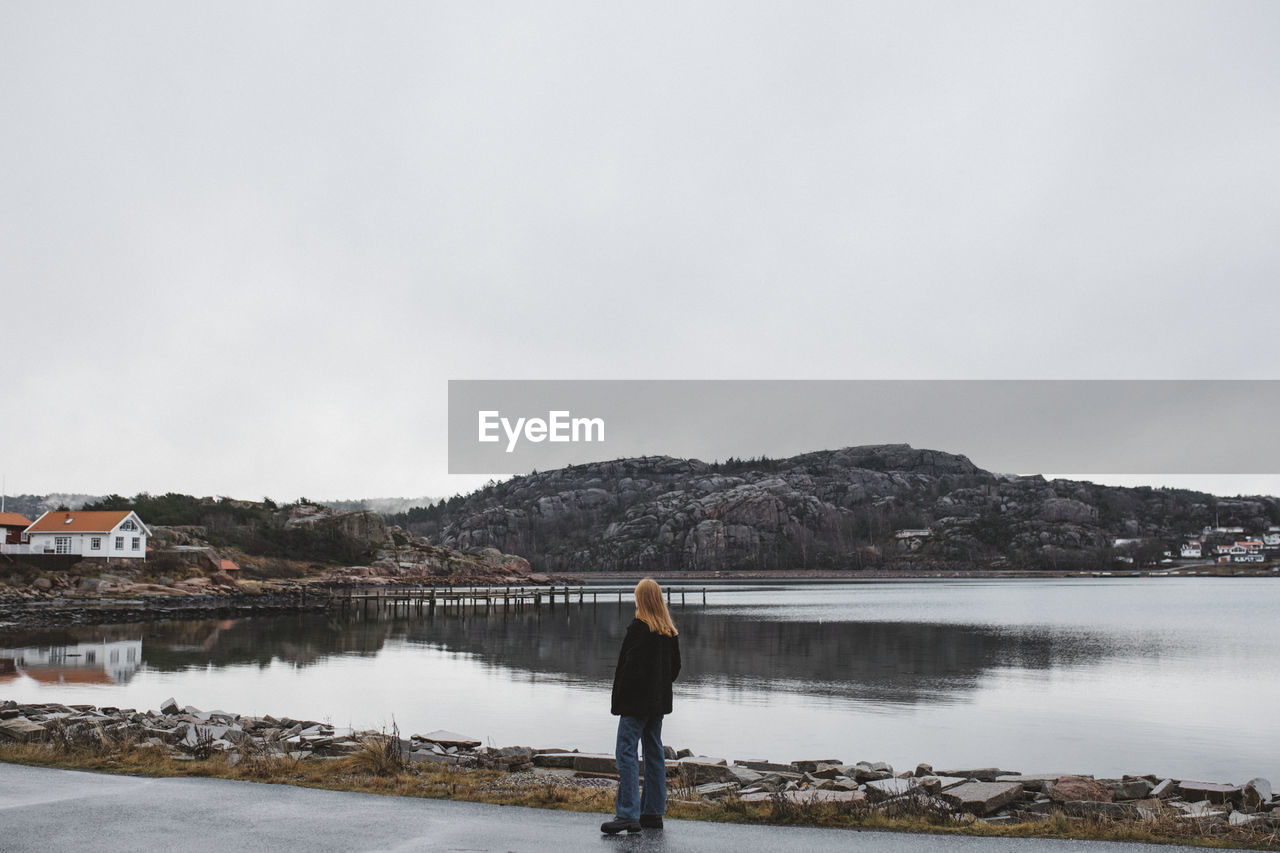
651,821
618,824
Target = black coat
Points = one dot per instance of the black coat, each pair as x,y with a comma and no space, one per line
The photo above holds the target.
647,665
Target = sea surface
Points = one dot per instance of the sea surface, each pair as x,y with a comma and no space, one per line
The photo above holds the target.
1174,676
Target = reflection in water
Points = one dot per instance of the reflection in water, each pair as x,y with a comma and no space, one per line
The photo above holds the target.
894,662
81,662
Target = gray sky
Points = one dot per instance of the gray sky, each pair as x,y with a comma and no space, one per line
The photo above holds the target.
244,246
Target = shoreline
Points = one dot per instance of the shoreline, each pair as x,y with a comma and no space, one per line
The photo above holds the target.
55,609
63,612
819,792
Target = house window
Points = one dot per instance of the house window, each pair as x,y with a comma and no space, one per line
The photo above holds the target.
128,525
119,543
137,543
62,544
90,656
95,543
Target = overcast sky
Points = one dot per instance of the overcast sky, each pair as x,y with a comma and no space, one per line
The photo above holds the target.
244,246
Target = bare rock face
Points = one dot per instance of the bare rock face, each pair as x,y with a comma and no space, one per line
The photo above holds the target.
1067,509
364,529
1079,788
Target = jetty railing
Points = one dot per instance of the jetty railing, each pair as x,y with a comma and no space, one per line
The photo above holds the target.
428,600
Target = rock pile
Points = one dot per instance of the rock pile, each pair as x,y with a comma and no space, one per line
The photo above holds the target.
185,732
990,795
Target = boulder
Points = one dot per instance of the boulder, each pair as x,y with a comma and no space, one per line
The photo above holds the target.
1133,809
447,738
169,706
1128,789
21,730
715,790
808,766
766,766
1242,819
879,790
1080,788
982,774
982,798
1167,788
821,796
830,771
701,770
1036,780
1257,793
554,759
744,775
1214,792
864,771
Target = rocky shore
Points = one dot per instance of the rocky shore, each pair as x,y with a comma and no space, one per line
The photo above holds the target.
986,796
55,610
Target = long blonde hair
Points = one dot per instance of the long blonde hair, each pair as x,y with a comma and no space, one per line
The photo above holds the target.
652,610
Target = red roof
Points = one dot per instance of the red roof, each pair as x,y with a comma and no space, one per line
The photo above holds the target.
228,566
101,521
13,519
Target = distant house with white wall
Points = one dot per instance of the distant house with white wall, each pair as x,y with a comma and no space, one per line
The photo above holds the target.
105,534
1191,550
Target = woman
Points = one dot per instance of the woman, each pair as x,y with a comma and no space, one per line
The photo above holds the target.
648,663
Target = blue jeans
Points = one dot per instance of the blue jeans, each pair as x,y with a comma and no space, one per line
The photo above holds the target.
632,730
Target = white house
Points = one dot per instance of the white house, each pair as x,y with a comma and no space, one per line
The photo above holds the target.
102,533
1191,549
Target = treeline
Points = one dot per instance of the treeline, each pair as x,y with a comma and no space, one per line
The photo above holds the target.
258,528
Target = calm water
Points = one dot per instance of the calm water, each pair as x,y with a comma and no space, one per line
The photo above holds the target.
1173,676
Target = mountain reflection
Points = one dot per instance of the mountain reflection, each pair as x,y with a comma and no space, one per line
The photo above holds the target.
897,662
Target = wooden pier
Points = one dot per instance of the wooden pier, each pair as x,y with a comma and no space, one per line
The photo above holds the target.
429,600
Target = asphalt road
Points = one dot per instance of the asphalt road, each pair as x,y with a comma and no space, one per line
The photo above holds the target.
55,810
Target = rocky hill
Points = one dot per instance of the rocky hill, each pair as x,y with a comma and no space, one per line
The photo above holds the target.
835,509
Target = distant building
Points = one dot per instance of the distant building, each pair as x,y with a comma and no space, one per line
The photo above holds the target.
105,534
1191,550
11,526
911,539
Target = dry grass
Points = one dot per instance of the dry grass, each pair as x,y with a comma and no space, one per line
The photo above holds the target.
379,769
380,755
